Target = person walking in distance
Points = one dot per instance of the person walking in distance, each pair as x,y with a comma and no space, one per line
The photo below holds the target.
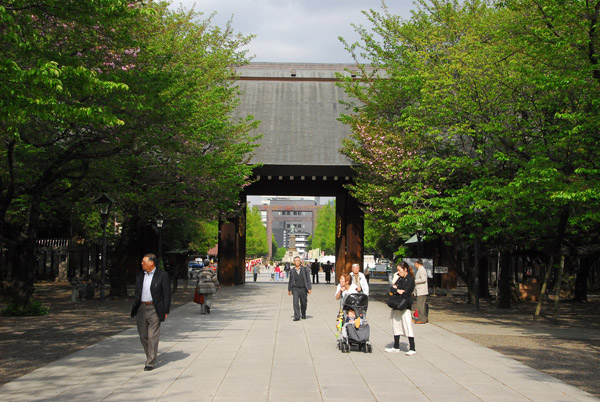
314,269
327,269
403,284
299,286
206,285
421,291
153,303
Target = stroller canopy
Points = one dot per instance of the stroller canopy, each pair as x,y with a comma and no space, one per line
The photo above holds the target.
356,301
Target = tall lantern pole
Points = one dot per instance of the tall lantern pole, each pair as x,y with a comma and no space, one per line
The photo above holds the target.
420,234
159,225
104,203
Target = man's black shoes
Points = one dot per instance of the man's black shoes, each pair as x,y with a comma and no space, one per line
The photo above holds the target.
148,368
304,317
296,319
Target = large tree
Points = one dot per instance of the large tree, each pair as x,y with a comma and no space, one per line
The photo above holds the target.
123,97
478,123
59,112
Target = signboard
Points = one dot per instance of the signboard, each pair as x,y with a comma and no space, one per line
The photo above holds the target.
441,270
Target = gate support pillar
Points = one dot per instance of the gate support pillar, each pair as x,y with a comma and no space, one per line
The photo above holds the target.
349,234
232,250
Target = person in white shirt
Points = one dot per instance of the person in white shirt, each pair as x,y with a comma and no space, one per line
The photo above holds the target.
358,279
151,307
344,288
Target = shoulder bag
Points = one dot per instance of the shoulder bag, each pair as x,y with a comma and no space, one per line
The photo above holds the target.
397,302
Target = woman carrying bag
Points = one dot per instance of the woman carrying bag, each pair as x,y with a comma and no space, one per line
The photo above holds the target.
206,286
400,297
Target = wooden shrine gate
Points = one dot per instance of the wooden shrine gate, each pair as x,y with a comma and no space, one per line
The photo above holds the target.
298,106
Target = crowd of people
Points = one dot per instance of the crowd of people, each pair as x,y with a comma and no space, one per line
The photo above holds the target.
153,296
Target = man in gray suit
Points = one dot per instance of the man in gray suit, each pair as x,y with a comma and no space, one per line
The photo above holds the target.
299,285
152,304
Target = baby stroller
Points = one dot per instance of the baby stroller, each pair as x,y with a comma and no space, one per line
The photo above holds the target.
351,333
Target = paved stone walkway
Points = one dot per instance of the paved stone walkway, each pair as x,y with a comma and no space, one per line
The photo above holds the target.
249,349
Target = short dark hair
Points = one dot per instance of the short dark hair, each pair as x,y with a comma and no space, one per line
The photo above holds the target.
419,261
152,257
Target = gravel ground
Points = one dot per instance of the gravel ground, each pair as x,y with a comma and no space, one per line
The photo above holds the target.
73,326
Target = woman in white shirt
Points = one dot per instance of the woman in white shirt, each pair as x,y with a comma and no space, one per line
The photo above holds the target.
345,287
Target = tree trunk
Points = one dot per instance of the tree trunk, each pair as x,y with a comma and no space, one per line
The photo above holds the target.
504,287
581,281
561,268
118,277
469,273
538,308
484,290
19,288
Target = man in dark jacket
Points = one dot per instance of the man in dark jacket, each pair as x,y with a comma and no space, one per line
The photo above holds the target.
299,285
153,303
314,269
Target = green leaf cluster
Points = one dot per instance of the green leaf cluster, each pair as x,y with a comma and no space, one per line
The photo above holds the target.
479,119
256,234
323,237
123,97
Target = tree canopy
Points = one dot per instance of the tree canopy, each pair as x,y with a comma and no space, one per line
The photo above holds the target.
323,236
256,234
123,97
479,120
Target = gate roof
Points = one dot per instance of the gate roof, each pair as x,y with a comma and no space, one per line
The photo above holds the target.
298,106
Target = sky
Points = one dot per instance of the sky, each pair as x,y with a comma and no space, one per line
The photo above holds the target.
303,31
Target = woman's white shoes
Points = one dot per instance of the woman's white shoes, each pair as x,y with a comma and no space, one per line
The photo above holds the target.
394,350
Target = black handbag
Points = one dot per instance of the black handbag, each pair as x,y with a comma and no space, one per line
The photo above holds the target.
397,302
135,307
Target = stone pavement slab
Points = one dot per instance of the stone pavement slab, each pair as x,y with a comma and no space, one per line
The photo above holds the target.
249,349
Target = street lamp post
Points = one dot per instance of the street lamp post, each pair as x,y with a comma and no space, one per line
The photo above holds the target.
420,234
104,203
159,226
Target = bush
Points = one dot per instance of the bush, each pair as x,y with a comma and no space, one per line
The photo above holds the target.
33,308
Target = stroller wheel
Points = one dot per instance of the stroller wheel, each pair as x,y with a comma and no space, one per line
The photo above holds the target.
365,347
346,347
339,344
369,348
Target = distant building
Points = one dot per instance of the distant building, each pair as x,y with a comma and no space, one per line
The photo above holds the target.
282,215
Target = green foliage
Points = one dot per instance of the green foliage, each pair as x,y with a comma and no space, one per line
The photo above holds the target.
123,97
256,234
379,238
323,237
478,119
204,236
32,309
278,252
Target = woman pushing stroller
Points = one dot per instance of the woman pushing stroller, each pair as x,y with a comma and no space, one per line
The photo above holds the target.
352,323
